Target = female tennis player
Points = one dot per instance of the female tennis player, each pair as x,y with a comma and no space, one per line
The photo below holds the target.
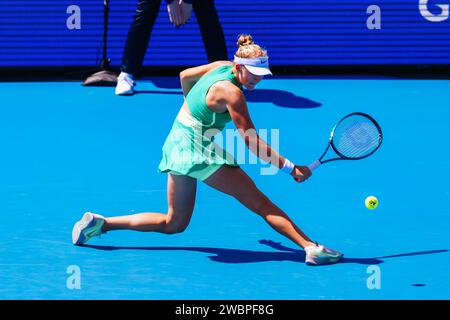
213,96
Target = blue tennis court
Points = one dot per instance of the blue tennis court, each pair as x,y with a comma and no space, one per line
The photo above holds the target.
68,149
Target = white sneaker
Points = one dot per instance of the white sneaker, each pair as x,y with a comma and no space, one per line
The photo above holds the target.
318,255
89,226
125,84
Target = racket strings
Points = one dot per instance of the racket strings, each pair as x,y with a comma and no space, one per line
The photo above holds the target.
356,137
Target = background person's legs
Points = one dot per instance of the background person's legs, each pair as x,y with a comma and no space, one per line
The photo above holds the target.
235,182
181,191
139,36
211,29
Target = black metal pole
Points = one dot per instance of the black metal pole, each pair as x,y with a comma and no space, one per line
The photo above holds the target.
105,61
105,77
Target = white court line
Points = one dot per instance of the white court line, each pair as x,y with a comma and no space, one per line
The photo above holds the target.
41,240
151,191
22,265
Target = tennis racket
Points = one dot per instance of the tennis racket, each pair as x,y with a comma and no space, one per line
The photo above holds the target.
356,136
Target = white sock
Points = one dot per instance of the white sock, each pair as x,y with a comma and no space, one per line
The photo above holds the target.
124,74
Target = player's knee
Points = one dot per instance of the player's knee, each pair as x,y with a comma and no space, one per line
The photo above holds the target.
173,229
261,204
258,203
174,225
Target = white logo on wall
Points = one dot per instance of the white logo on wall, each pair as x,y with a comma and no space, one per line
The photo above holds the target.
74,280
374,280
73,22
423,8
374,21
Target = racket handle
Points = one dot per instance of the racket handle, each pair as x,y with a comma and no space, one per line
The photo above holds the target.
314,165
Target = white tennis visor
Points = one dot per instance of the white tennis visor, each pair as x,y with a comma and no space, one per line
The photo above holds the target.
257,66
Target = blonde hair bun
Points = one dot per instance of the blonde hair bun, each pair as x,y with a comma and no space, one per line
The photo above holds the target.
247,48
245,40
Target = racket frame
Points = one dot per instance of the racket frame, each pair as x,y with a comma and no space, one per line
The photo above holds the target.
341,156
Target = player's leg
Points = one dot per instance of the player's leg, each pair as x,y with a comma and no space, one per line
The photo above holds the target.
236,183
181,191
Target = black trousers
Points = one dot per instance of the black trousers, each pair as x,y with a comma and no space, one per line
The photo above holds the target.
141,28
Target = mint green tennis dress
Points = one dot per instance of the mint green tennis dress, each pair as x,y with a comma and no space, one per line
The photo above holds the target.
190,148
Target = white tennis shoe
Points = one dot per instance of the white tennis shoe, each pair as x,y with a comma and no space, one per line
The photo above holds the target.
318,255
125,84
89,226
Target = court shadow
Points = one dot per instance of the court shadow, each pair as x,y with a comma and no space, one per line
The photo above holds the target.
367,261
249,256
280,98
166,82
221,254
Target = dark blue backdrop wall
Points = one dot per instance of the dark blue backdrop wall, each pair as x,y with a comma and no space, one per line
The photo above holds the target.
295,32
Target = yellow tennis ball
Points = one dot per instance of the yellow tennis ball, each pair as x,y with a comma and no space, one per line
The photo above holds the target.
371,202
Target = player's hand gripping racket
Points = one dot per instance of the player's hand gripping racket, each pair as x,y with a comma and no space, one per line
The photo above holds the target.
356,136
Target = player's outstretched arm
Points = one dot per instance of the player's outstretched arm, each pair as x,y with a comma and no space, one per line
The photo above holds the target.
237,106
